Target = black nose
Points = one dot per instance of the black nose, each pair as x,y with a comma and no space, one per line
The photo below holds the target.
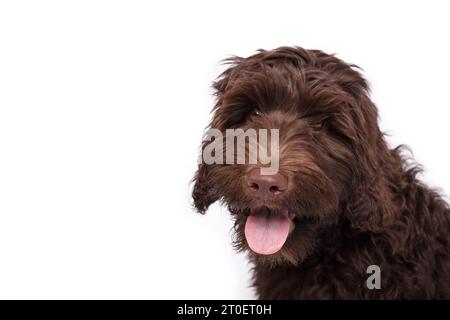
265,186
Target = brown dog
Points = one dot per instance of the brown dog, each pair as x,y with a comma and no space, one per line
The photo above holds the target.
342,201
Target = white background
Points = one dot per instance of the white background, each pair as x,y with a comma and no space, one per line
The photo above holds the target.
102,108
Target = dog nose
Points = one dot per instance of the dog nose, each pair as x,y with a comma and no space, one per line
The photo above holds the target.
265,186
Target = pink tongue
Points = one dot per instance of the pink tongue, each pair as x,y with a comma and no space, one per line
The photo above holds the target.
266,232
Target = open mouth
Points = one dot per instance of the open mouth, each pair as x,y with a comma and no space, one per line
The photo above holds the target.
267,230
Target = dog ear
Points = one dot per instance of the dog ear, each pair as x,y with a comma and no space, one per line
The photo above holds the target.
370,206
202,193
222,82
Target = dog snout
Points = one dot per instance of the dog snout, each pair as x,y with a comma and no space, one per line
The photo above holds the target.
265,186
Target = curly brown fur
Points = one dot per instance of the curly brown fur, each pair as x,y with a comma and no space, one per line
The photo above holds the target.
356,202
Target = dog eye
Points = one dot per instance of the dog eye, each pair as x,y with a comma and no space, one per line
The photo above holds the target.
318,125
257,113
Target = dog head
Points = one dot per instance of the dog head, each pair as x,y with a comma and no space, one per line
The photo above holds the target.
330,152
